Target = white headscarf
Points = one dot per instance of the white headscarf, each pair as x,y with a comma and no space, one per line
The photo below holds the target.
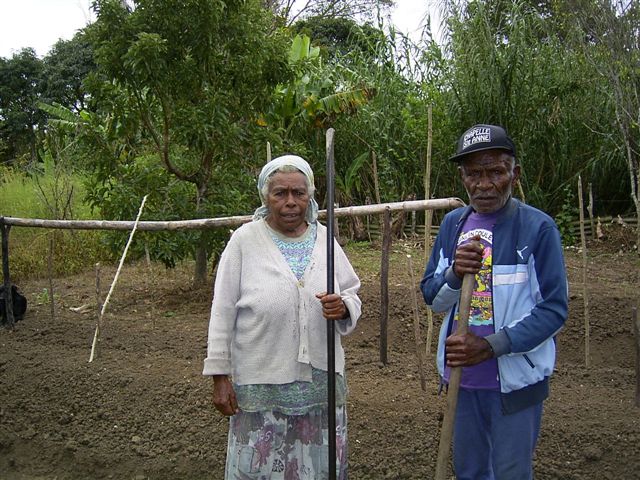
274,165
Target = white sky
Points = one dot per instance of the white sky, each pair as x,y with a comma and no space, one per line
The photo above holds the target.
41,23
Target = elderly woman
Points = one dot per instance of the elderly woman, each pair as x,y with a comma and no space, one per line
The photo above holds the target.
267,349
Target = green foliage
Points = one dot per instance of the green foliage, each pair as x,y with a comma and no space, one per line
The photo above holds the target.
65,68
74,251
185,81
515,65
567,215
20,89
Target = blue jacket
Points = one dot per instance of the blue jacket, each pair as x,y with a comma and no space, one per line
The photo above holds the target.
530,296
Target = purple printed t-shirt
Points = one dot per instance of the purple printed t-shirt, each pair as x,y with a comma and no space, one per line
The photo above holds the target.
483,376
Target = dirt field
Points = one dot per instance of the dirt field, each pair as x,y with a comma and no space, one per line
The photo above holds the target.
142,409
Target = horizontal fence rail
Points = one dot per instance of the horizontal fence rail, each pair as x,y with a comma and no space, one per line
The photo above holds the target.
207,223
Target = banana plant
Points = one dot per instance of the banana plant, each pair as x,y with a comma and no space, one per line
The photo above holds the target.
316,95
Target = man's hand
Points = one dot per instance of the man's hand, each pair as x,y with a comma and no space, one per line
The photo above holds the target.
333,308
466,350
224,397
468,258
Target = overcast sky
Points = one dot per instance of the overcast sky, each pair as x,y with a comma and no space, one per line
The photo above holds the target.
41,23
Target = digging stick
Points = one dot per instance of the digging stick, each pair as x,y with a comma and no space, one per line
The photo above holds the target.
416,327
331,349
446,434
96,334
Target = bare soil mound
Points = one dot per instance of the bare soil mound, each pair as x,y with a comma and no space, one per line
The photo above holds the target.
142,410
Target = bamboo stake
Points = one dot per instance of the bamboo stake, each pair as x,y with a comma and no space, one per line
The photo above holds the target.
428,220
636,330
416,328
590,210
374,165
268,152
446,435
50,273
115,278
94,351
427,191
384,285
585,297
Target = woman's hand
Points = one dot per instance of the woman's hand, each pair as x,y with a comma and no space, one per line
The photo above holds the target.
224,397
333,308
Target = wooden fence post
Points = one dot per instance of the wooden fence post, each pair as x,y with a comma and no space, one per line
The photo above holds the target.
8,294
636,329
384,285
52,308
585,296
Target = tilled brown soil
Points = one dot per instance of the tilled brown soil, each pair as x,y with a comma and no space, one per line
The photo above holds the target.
142,410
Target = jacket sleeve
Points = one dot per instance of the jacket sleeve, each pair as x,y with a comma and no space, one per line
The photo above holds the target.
223,310
550,289
349,284
440,286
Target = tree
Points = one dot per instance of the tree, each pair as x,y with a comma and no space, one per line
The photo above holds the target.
194,74
515,66
65,68
612,43
20,118
290,11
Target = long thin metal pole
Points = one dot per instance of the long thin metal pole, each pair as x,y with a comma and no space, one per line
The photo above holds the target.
331,349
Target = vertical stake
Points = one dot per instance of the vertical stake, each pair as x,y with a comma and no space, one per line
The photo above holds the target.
384,284
331,349
8,294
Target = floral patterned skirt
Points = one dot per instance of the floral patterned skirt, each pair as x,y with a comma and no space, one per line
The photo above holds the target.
270,445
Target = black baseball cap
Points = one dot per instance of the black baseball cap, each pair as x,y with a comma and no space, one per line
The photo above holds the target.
483,137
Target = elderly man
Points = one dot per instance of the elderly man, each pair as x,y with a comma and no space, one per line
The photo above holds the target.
518,305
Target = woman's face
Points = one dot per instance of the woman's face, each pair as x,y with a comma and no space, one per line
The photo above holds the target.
287,200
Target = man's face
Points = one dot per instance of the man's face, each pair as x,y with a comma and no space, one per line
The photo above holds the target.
488,178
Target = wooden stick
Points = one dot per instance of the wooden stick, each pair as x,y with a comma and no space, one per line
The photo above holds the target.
207,223
428,220
590,210
376,185
96,335
115,278
636,330
446,435
416,327
427,192
585,297
384,285
8,294
52,309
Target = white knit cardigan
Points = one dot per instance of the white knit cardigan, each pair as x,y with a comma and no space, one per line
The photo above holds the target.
266,326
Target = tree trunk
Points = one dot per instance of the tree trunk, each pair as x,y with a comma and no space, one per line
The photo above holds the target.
200,274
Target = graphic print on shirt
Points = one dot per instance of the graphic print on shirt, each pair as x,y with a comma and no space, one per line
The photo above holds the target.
481,312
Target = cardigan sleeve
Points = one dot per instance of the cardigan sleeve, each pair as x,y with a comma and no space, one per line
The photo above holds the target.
223,310
349,284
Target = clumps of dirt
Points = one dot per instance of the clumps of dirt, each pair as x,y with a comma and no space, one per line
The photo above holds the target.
142,410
